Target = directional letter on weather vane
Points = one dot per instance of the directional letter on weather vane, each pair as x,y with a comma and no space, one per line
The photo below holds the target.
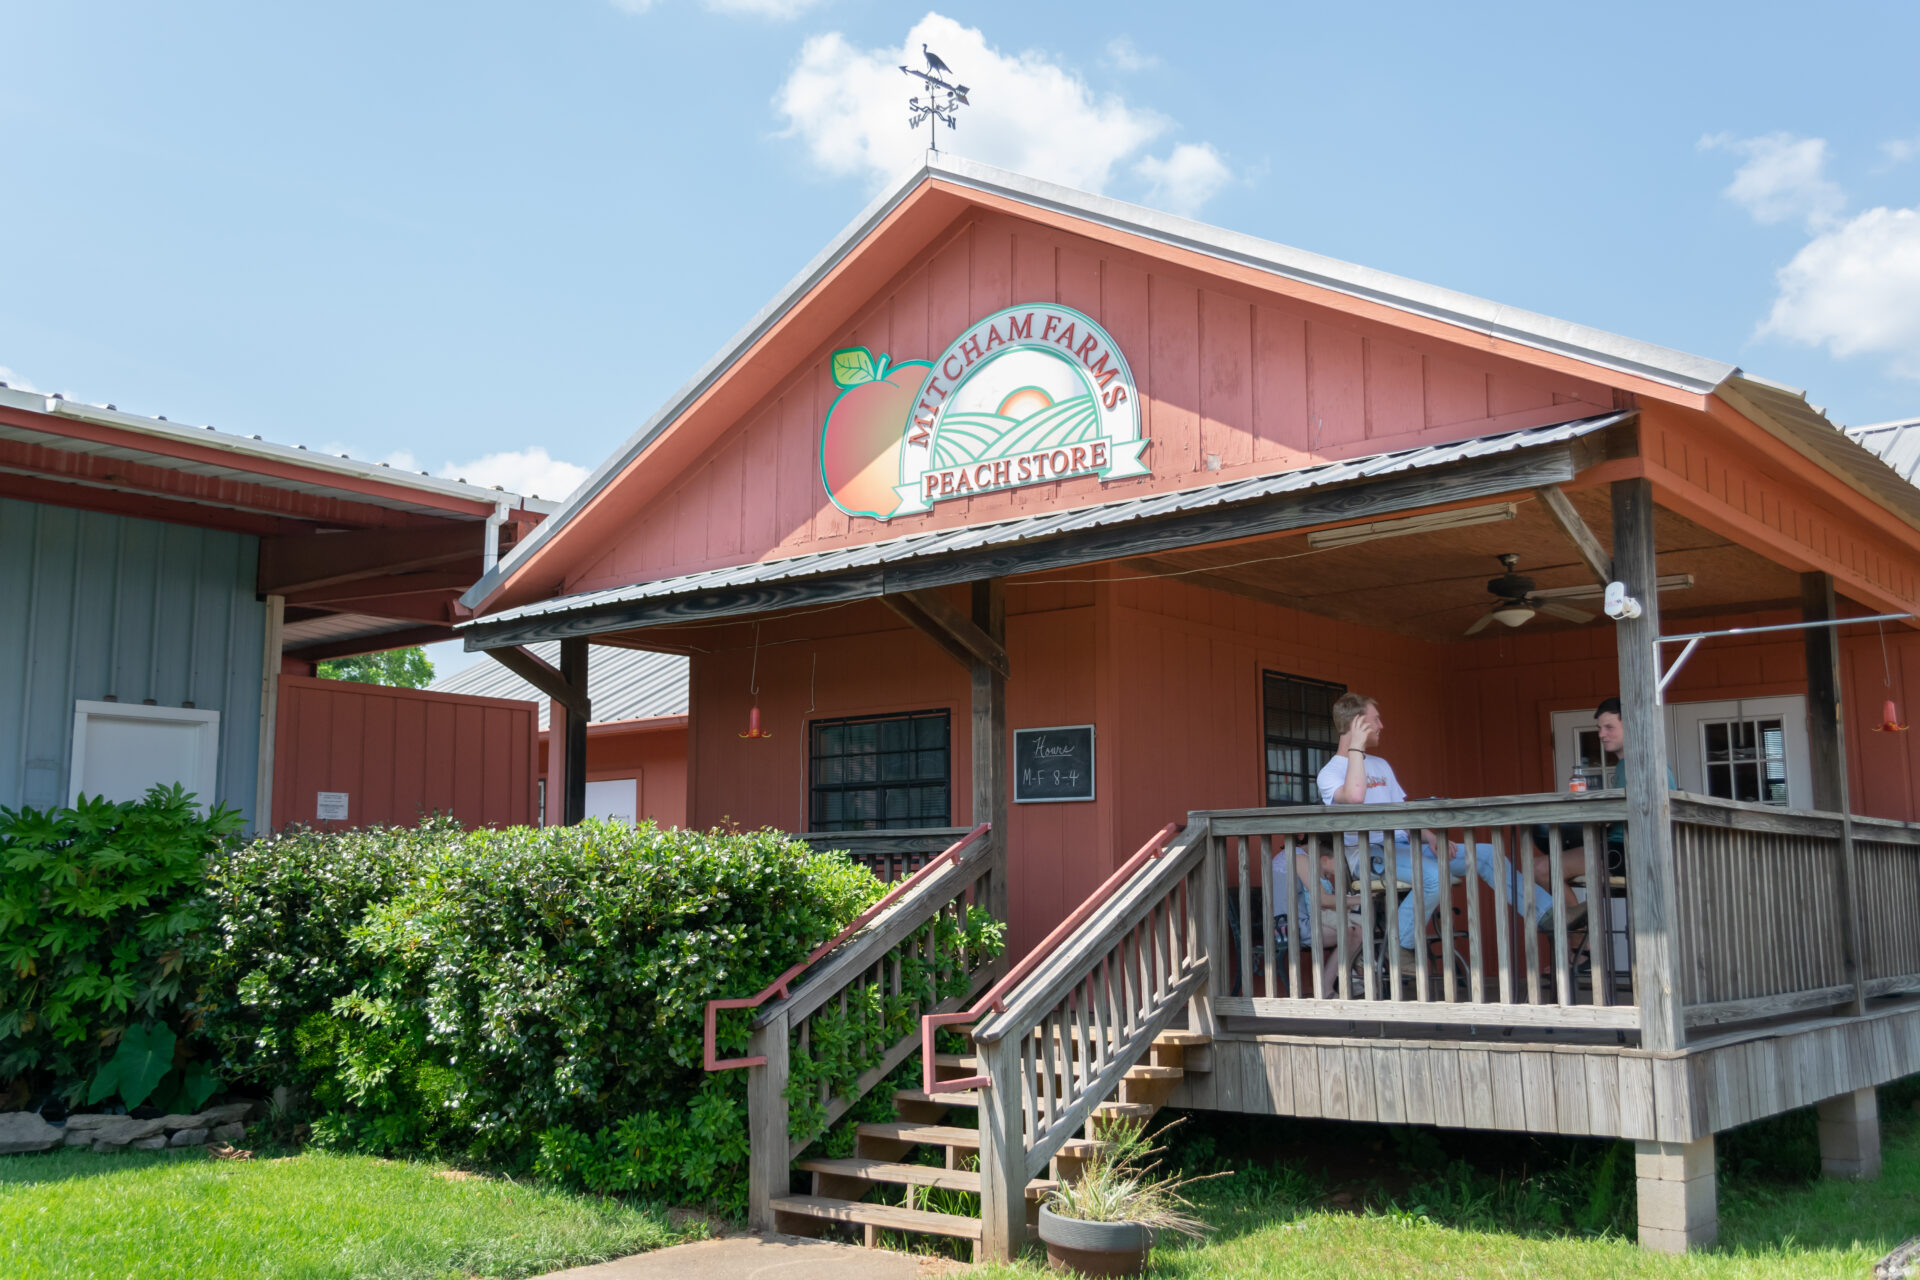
944,98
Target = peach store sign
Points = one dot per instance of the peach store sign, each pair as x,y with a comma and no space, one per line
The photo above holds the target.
1029,395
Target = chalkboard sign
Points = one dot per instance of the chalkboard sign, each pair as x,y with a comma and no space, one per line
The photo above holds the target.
1053,765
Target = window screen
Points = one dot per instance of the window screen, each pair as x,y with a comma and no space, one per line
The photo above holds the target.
879,773
1300,736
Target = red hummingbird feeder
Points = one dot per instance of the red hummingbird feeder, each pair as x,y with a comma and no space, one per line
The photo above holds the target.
753,687
1890,720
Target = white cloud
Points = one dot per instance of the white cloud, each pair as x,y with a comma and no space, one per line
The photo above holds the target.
1899,151
1784,178
16,382
848,106
1191,175
1855,289
1124,55
524,471
530,472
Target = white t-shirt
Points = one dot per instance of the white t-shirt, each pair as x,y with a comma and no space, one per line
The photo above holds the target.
1382,786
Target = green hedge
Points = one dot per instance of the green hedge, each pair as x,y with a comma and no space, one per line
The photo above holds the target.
102,911
473,991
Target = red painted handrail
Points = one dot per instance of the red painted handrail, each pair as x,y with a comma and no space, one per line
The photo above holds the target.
780,984
994,1000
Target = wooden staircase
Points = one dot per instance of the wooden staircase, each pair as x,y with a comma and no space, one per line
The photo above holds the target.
885,1161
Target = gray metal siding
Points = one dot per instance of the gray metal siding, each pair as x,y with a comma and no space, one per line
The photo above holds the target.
101,605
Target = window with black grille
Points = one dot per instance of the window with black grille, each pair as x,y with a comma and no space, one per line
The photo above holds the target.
875,773
1300,736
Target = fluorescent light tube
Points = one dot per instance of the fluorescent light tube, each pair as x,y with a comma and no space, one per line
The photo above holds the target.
1487,513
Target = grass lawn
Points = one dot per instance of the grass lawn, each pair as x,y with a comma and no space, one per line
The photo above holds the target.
1274,1219
163,1215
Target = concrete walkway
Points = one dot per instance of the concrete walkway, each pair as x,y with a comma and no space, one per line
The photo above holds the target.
764,1257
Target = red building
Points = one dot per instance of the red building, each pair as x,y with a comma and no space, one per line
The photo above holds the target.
1030,508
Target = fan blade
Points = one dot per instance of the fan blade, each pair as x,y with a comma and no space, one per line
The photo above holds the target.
1564,611
1593,591
1476,628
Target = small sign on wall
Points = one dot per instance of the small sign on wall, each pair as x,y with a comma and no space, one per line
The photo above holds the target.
1052,766
331,806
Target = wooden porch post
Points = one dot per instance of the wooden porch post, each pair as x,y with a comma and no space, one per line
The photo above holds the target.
990,736
1650,866
573,669
1827,751
767,1163
1003,1154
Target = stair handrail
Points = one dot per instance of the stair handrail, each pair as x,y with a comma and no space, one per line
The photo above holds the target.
993,1000
949,856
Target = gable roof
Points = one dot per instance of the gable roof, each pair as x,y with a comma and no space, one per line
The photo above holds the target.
1895,443
623,684
1687,374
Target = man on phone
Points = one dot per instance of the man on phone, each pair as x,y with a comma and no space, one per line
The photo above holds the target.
1356,776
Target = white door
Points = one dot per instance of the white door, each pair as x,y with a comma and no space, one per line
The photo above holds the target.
121,749
1741,749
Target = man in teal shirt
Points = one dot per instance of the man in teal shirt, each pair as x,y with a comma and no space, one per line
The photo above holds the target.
1573,858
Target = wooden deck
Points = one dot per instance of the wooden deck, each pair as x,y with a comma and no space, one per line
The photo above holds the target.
1537,1086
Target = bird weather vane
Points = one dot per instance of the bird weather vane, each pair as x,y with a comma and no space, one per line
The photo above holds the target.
943,98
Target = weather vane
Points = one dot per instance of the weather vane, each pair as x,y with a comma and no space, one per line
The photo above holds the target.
943,99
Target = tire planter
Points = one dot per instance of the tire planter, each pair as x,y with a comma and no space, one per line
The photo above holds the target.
1094,1248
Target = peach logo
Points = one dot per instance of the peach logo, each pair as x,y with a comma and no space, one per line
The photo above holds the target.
1029,395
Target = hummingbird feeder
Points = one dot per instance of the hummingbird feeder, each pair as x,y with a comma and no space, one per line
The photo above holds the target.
1890,720
753,687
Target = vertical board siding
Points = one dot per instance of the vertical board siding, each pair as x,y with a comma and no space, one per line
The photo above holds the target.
402,754
107,606
1233,381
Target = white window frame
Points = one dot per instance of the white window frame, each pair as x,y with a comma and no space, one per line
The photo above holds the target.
200,774
1684,748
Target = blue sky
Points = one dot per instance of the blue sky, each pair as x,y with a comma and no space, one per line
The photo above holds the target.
466,232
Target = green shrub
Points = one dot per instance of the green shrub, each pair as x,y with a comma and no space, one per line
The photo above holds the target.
471,991
101,908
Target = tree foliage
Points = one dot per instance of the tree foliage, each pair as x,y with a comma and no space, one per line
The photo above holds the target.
102,911
402,668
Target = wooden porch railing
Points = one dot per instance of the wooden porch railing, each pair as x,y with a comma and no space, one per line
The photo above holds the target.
890,855
1480,965
1776,916
1072,1028
863,1002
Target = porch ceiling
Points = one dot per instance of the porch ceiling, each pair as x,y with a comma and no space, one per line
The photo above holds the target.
1432,586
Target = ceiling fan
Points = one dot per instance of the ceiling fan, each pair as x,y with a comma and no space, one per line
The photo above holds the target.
1516,600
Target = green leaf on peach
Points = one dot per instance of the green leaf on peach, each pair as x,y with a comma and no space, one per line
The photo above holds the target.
853,366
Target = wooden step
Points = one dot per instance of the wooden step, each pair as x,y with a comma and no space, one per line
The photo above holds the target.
1124,1111
887,1217
914,1175
967,1060
947,1135
937,1099
1182,1038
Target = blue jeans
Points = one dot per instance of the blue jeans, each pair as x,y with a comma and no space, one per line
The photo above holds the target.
1430,887
1483,856
1403,868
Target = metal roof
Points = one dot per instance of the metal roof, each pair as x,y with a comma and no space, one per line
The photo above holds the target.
339,626
1895,443
933,543
245,450
1595,346
623,684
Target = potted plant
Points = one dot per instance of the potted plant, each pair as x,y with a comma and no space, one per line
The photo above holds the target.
1104,1222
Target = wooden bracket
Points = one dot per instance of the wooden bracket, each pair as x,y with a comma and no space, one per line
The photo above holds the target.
547,679
947,627
1557,505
